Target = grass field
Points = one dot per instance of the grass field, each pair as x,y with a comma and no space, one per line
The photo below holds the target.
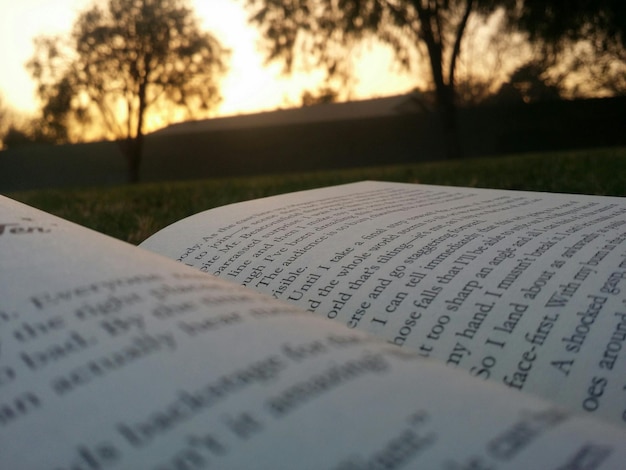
132,213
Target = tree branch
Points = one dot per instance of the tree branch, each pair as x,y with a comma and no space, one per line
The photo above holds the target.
456,49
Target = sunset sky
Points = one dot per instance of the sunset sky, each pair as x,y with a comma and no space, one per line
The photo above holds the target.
249,86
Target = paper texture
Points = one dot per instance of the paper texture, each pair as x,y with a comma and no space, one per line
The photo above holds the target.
112,357
524,289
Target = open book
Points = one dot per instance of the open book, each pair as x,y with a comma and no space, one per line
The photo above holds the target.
364,326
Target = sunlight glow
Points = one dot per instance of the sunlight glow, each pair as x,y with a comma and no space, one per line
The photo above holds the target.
20,22
250,86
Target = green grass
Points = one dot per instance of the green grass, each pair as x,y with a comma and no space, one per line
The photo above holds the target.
132,213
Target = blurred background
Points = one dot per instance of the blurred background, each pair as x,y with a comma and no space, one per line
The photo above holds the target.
104,92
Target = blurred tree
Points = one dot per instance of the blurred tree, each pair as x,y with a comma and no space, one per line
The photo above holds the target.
527,84
603,68
16,137
121,61
555,20
323,95
491,53
27,131
321,33
589,35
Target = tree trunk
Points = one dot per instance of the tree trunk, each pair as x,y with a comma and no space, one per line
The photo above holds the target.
447,99
450,126
132,149
134,159
136,147
432,36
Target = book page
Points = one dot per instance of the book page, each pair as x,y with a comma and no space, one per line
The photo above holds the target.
525,289
114,358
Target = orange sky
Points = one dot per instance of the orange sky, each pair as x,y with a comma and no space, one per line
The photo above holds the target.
249,86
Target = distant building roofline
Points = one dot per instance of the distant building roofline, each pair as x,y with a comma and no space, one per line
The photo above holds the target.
324,112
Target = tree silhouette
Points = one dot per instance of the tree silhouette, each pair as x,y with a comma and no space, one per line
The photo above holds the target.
590,35
121,61
4,121
320,32
322,95
555,20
